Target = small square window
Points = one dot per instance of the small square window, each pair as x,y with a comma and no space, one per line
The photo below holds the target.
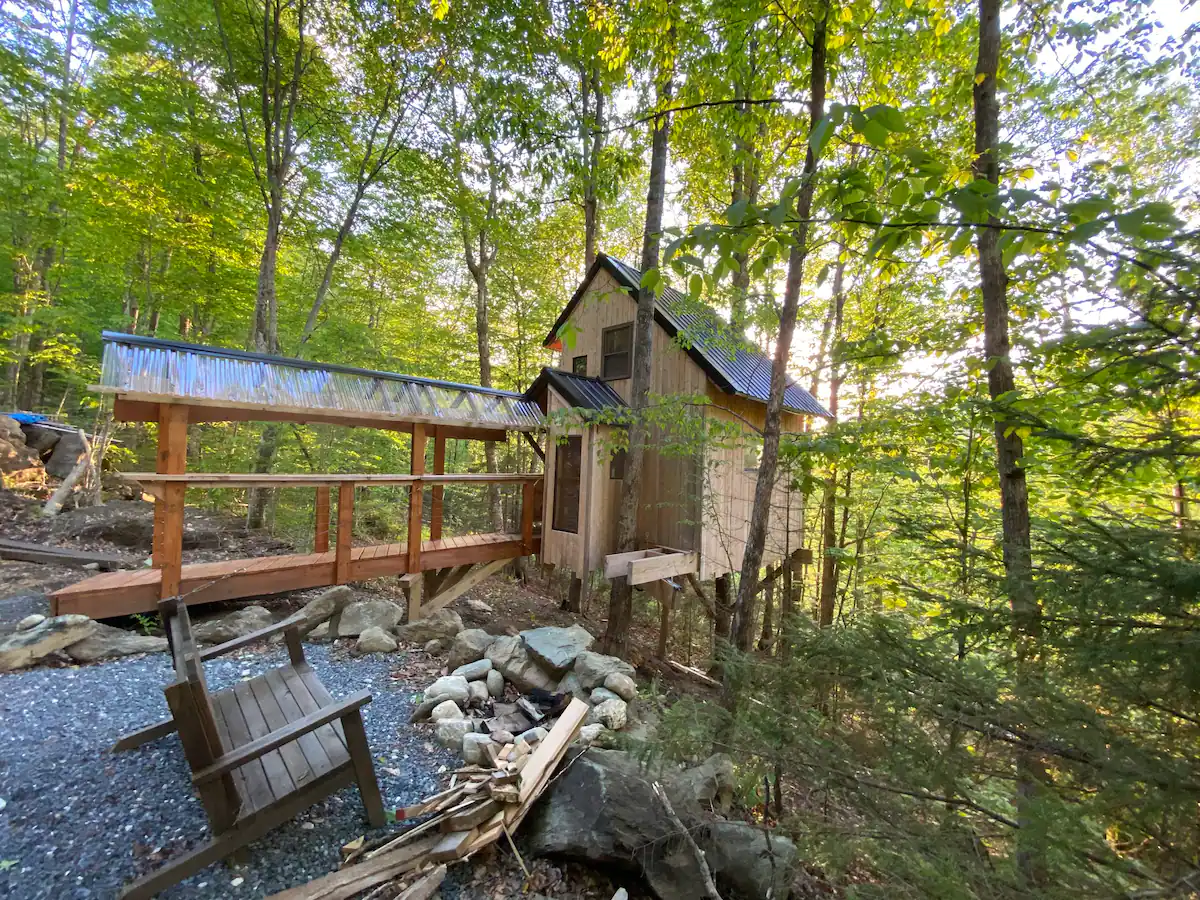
616,466
579,365
616,352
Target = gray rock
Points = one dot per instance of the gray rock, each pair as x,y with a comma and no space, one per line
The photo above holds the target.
30,620
445,709
589,733
621,685
555,649
442,625
130,523
474,671
477,606
600,695
747,863
594,668
477,693
474,749
320,634
571,684
448,687
424,709
611,714
358,617
469,646
509,656
26,647
708,786
450,732
435,647
532,736
19,464
232,625
39,438
107,642
503,737
495,683
322,607
67,452
375,640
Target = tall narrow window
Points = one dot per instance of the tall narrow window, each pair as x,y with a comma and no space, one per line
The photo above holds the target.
616,352
567,471
616,466
579,365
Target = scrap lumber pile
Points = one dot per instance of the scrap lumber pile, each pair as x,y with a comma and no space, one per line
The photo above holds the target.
479,806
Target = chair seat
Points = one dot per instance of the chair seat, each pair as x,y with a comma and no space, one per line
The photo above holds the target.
253,709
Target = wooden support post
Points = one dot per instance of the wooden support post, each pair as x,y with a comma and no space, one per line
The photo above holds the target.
345,532
168,512
527,491
321,534
416,497
414,591
439,468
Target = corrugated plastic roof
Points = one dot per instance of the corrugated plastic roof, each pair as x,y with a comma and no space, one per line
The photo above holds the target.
178,371
736,365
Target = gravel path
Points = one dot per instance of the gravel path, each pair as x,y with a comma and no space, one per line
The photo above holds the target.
75,816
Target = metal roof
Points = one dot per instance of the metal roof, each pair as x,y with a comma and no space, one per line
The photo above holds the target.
151,368
581,391
732,362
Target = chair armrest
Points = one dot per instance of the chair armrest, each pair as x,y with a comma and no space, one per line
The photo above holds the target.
280,736
238,642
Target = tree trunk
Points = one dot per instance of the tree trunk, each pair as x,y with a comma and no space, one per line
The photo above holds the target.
829,561
722,620
592,144
768,634
760,516
1014,495
620,607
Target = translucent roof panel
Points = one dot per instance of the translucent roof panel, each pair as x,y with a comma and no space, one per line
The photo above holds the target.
153,369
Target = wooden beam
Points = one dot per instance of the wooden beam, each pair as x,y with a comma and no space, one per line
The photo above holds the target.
439,468
63,556
416,499
150,480
168,512
415,588
321,533
666,565
537,448
617,564
460,587
345,533
527,492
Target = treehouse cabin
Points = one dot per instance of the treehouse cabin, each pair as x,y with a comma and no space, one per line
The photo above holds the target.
176,384
697,495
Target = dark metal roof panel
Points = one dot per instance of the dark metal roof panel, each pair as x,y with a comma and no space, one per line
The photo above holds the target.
580,391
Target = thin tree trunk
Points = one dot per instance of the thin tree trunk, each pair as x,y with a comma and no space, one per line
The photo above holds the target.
1014,493
761,514
829,560
767,636
592,145
620,607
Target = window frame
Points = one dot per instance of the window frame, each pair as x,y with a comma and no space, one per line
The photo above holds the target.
605,356
575,360
560,451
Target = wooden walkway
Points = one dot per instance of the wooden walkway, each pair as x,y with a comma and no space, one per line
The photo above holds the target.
124,593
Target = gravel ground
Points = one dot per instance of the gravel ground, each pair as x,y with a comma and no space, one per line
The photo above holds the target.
78,821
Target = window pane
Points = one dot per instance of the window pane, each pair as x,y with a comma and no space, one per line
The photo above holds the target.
617,352
567,466
579,365
616,468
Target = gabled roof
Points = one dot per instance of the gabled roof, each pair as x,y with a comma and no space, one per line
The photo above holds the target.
580,391
730,361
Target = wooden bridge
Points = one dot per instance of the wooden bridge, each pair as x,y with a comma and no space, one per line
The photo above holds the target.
175,384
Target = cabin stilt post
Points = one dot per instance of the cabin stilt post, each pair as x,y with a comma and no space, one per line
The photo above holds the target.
321,532
438,491
168,512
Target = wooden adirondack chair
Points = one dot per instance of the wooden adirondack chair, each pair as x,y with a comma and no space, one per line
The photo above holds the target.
261,751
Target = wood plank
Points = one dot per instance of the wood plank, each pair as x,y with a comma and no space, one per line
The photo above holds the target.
356,878
616,565
305,479
278,776
438,490
258,787
314,754
330,736
550,749
464,584
293,756
667,565
345,533
64,556
321,530
168,521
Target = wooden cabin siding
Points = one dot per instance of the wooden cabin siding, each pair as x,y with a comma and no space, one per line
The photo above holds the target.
690,504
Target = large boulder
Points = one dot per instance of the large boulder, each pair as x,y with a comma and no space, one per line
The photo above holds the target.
449,687
68,450
450,732
106,642
24,648
706,787
554,648
442,625
320,609
236,624
41,439
621,685
509,657
611,714
19,464
375,640
594,668
469,646
748,862
358,617
473,671
130,523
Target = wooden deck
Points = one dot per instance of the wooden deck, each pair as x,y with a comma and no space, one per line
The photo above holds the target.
124,593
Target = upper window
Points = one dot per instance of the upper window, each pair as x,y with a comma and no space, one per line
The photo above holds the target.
616,352
579,365
568,459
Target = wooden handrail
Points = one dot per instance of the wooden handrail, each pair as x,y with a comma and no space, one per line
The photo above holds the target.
248,479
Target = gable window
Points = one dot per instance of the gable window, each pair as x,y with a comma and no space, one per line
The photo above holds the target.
567,472
616,352
579,365
616,466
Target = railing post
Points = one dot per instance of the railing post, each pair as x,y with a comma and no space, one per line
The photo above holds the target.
345,532
321,535
167,544
416,498
437,491
527,516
